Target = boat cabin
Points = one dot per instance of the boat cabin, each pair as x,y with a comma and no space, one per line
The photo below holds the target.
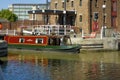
58,40
37,40
27,40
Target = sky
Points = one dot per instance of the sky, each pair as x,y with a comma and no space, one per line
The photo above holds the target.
5,3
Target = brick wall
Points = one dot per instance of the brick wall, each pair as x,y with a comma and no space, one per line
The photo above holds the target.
14,25
85,11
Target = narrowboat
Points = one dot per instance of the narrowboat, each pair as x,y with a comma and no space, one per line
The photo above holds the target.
42,43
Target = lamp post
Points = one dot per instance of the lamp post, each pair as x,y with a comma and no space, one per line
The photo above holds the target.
103,27
64,12
64,18
47,7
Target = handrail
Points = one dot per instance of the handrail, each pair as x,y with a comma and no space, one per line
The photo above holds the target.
42,29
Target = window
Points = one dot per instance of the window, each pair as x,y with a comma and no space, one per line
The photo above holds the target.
63,4
96,16
39,40
21,40
80,18
96,3
56,20
67,0
56,5
113,21
72,3
80,2
33,16
114,6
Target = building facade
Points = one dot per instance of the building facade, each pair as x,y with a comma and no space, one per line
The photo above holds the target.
87,15
21,10
91,15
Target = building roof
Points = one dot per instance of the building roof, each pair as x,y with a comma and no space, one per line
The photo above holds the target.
51,12
20,4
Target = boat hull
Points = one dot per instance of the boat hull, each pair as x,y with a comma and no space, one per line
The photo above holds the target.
3,49
68,48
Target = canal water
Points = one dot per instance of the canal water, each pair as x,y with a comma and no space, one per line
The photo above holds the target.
36,65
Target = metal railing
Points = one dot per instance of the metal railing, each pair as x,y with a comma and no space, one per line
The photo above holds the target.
41,29
52,29
7,32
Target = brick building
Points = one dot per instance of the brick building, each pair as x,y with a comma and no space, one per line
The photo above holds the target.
90,12
88,15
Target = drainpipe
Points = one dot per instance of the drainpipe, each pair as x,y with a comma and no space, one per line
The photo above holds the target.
47,7
90,16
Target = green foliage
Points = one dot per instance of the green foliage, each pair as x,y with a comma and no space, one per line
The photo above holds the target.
6,14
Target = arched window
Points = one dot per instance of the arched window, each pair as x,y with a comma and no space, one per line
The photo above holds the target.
72,3
96,3
80,3
56,5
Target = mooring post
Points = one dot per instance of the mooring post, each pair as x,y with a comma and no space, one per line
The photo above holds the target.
82,33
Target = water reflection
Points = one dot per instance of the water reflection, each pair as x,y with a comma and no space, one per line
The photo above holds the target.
100,66
30,65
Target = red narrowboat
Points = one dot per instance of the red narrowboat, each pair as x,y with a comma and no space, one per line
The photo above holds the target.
41,42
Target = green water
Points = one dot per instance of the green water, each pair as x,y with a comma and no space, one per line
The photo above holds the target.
36,65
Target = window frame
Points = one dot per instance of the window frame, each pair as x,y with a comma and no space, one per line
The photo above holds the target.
94,14
72,3
39,41
81,18
56,5
96,3
21,40
80,3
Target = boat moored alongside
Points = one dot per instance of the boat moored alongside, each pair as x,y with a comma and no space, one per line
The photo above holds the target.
42,43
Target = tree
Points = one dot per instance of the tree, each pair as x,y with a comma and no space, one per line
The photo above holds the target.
6,14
